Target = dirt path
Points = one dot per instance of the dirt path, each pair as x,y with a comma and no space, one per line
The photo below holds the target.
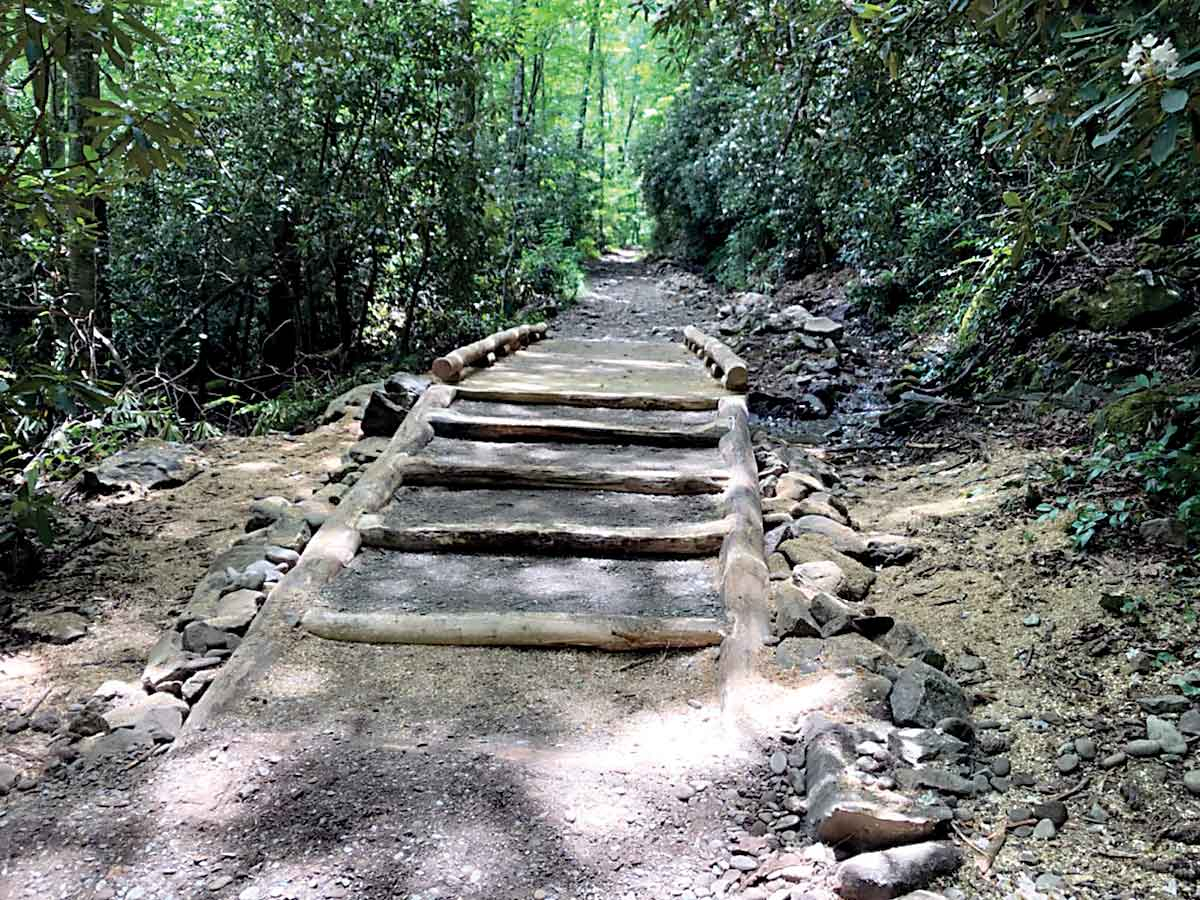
364,771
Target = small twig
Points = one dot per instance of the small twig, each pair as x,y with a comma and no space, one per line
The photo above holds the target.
1117,854
33,707
636,663
1083,782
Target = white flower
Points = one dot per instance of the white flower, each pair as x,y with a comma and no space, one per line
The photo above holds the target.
1149,41
1164,56
1037,96
1135,78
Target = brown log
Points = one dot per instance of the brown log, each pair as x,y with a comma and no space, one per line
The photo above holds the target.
630,481
330,550
449,368
579,431
513,629
605,399
745,581
700,539
719,358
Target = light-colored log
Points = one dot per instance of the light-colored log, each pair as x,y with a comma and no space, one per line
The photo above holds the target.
745,581
575,431
719,358
329,551
418,470
517,393
449,368
514,629
698,539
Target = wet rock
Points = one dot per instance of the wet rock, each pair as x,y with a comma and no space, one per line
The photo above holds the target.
923,696
53,628
890,873
1166,735
904,641
149,465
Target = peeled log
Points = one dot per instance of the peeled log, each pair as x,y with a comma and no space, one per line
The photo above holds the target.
514,629
449,367
719,359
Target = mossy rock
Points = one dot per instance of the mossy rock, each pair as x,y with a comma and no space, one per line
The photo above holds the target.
1134,413
1125,301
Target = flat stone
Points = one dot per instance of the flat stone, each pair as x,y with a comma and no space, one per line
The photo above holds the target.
281,556
132,715
1044,830
971,664
846,650
805,548
1166,734
1067,763
942,780
351,403
743,863
1168,704
823,326
1032,620
890,549
150,465
1054,810
889,873
236,611
778,762
53,628
1191,781
904,641
1189,722
923,696
1086,748
919,745
1049,883
823,574
843,538
200,637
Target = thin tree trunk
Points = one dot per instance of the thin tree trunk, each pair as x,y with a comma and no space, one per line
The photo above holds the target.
603,129
587,82
81,86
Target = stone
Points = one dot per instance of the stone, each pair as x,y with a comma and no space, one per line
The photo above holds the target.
1001,766
1054,810
885,874
919,745
939,780
1133,413
1113,760
382,415
823,326
923,696
890,549
292,531
1143,748
1086,748
132,715
200,637
366,451
1165,532
968,663
266,511
1126,299
193,689
1049,883
1067,763
88,721
45,722
846,650
53,627
350,403
778,762
1169,704
282,556
843,538
842,811
903,641
822,504
150,465
236,611
959,728
822,574
1044,830
9,777
806,548
1189,722
167,661
1191,781
1032,620
798,485
743,862
792,612
1166,734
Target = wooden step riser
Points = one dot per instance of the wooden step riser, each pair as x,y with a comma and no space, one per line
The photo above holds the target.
571,431
457,475
682,541
595,399
515,629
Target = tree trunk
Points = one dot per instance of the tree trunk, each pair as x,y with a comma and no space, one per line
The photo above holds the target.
279,345
603,129
587,81
82,85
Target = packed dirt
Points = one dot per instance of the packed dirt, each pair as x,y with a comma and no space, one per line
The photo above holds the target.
419,772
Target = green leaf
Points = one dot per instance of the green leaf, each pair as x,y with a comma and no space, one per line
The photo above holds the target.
856,32
1164,141
1174,100
1107,138
1013,199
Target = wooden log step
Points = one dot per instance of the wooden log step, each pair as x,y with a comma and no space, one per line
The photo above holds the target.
513,629
417,470
726,365
505,428
516,392
699,539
